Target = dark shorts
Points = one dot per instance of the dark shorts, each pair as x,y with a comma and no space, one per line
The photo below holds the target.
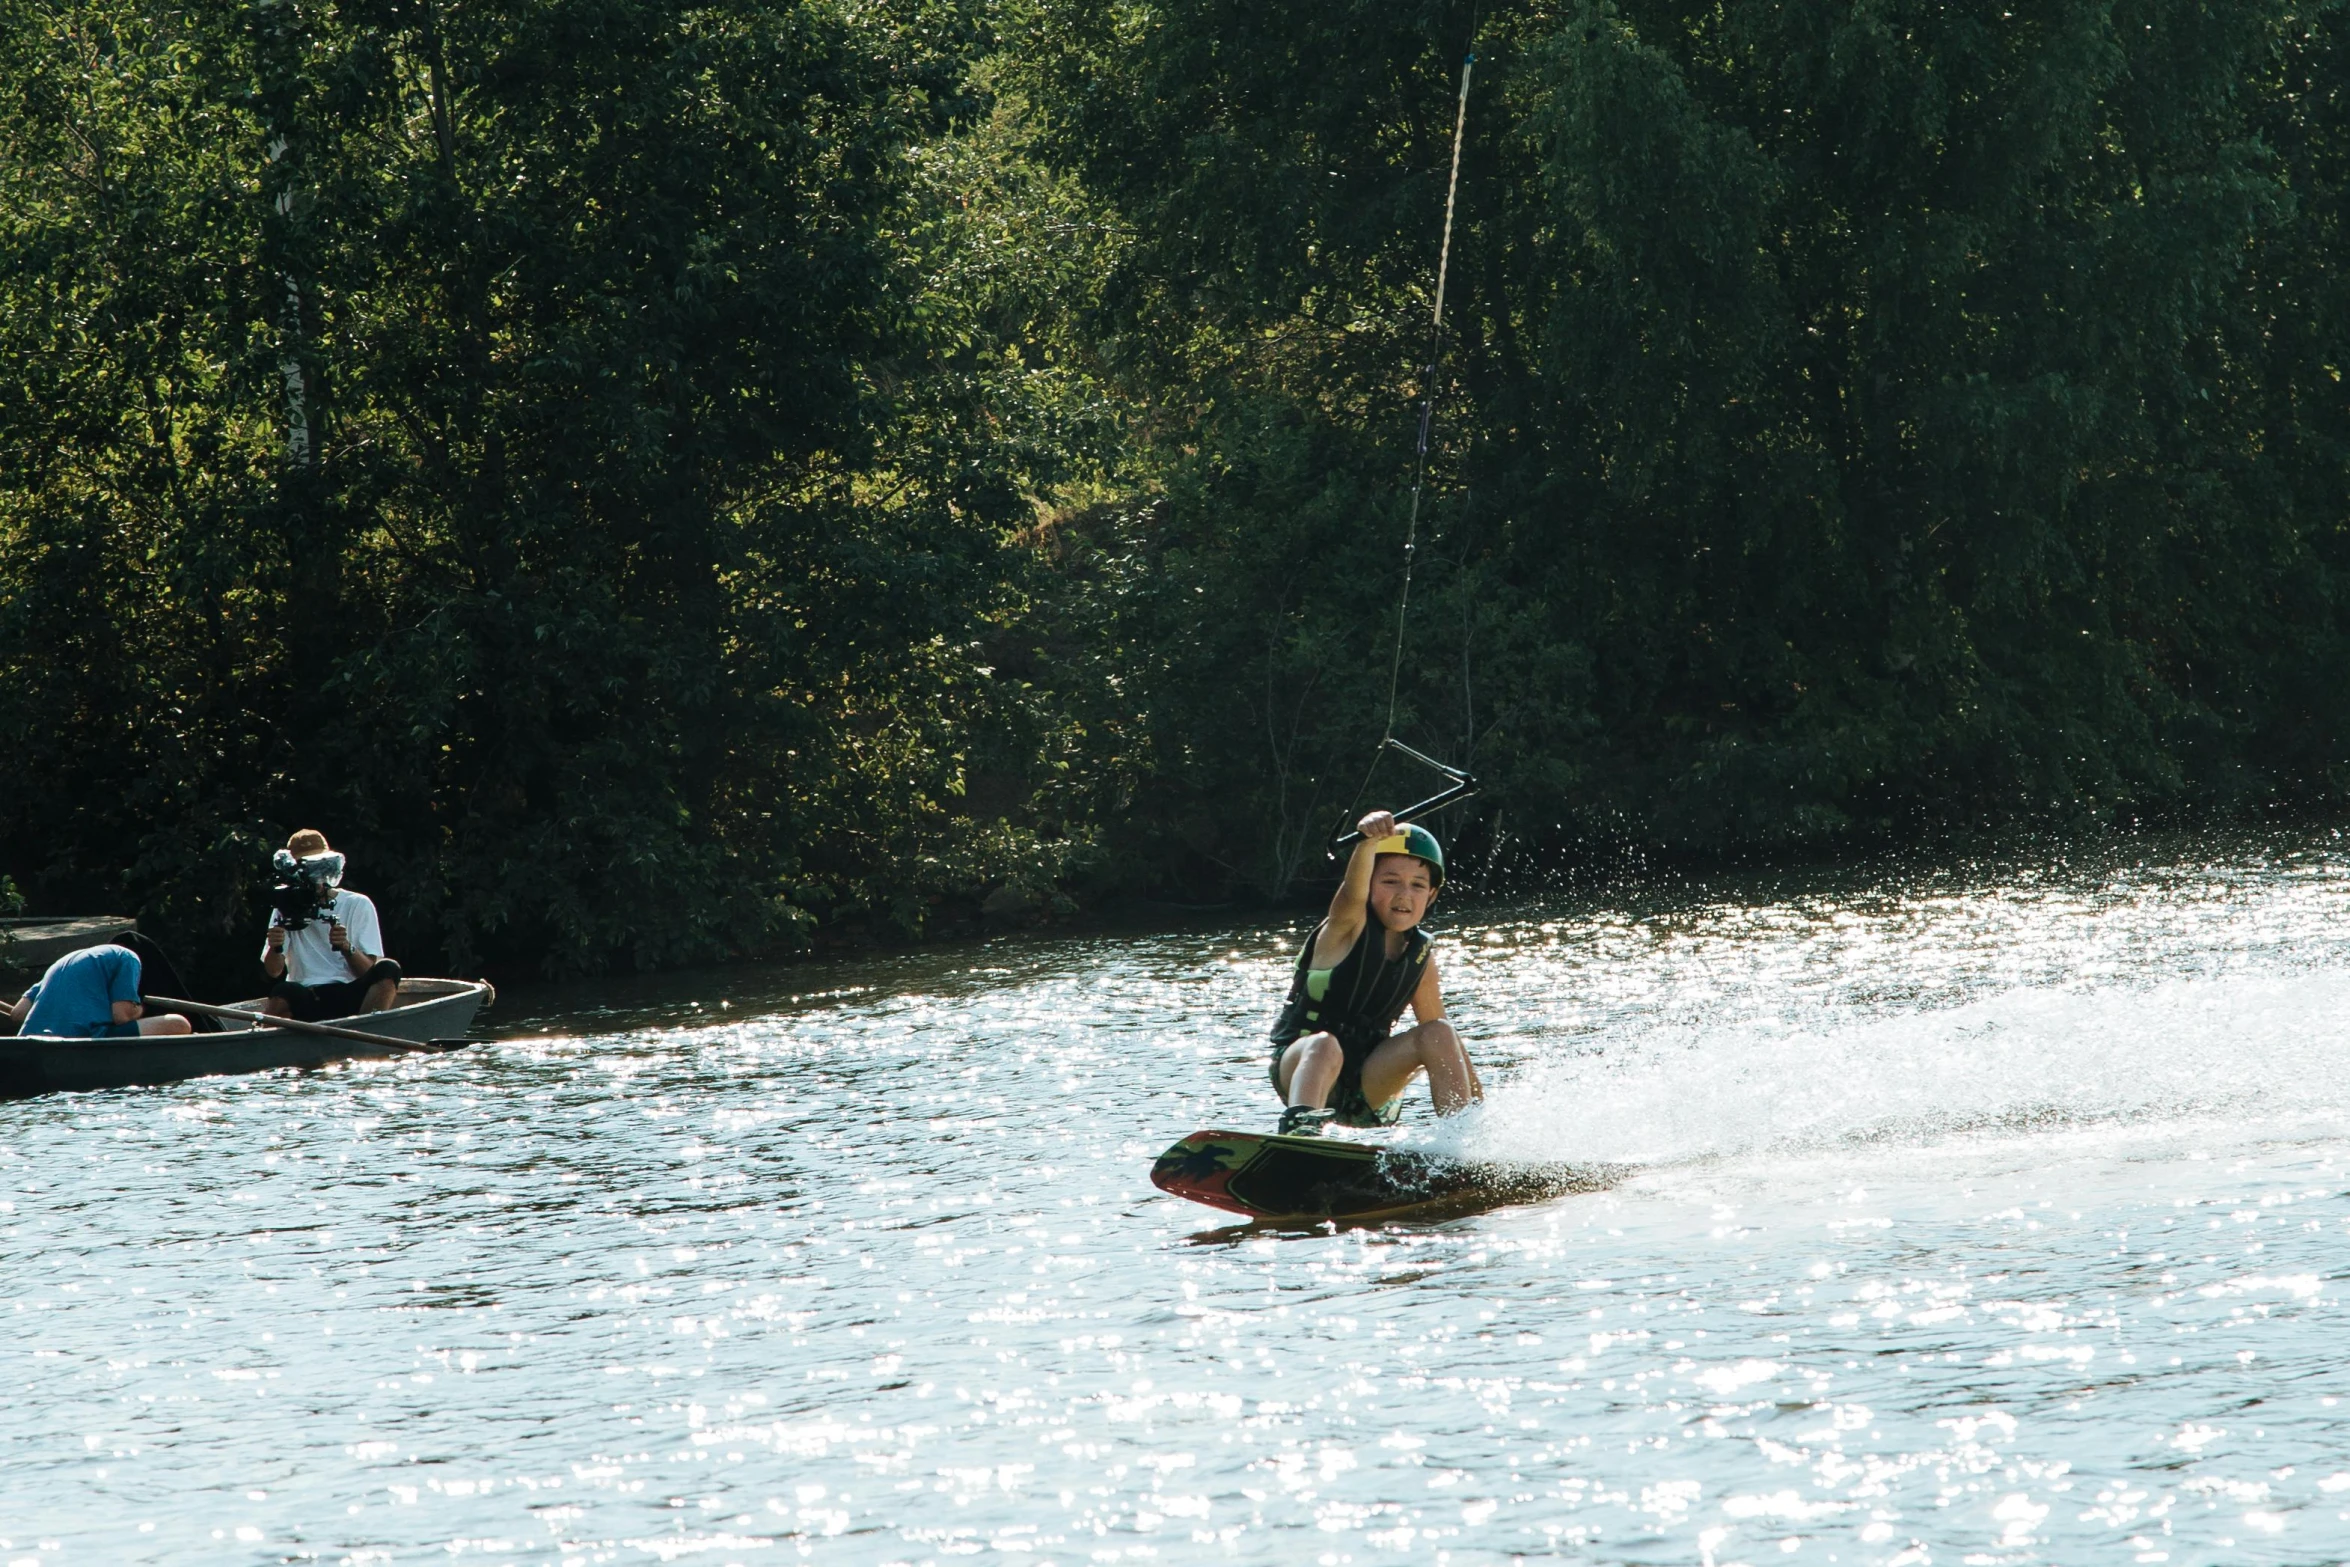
320,1003
1346,1095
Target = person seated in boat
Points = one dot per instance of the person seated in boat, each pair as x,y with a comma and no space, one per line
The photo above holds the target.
91,994
329,963
1335,1056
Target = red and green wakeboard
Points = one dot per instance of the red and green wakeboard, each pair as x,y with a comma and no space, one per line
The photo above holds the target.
1266,1176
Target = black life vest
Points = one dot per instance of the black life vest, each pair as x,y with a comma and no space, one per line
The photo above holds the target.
1368,991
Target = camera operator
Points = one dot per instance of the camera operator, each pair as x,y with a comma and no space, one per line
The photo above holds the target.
325,958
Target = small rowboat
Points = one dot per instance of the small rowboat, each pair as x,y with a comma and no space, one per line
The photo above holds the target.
431,1013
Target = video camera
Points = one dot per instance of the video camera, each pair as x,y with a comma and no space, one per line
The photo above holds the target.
305,888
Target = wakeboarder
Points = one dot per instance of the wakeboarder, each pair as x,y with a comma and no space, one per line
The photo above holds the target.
1335,1057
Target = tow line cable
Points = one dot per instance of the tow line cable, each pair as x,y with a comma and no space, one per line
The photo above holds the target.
1462,785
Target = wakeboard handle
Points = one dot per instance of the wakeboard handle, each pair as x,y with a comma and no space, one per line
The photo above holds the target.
1461,787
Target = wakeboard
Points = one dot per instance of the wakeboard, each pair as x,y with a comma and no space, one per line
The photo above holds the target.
1267,1176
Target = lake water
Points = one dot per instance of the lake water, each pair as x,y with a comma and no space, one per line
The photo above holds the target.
1995,1216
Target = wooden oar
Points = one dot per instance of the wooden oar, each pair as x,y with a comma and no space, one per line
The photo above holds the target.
271,1020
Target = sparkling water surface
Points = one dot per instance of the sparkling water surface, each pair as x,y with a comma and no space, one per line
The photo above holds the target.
1984,1216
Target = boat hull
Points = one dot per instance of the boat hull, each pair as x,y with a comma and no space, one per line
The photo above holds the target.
28,946
441,1011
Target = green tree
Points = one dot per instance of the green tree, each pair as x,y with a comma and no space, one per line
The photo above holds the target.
532,442
1855,414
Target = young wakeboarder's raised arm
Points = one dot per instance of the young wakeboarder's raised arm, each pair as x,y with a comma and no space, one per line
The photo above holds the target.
1334,1057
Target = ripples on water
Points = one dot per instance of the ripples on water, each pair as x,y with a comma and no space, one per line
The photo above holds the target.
1993,1221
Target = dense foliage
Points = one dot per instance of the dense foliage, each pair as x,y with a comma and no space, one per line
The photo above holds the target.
656,480
1856,414
537,443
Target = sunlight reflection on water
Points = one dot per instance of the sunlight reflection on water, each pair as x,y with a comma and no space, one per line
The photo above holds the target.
1994,1220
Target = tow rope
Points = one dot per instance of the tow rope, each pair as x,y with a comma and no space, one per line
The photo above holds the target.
1461,784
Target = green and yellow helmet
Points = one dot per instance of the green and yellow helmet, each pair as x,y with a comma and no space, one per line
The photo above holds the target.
1420,844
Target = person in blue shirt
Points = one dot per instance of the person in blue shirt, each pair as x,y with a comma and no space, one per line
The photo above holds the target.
91,994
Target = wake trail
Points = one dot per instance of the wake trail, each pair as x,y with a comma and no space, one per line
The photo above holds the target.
2255,1052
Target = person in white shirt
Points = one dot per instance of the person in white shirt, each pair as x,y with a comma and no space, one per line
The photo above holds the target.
333,965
